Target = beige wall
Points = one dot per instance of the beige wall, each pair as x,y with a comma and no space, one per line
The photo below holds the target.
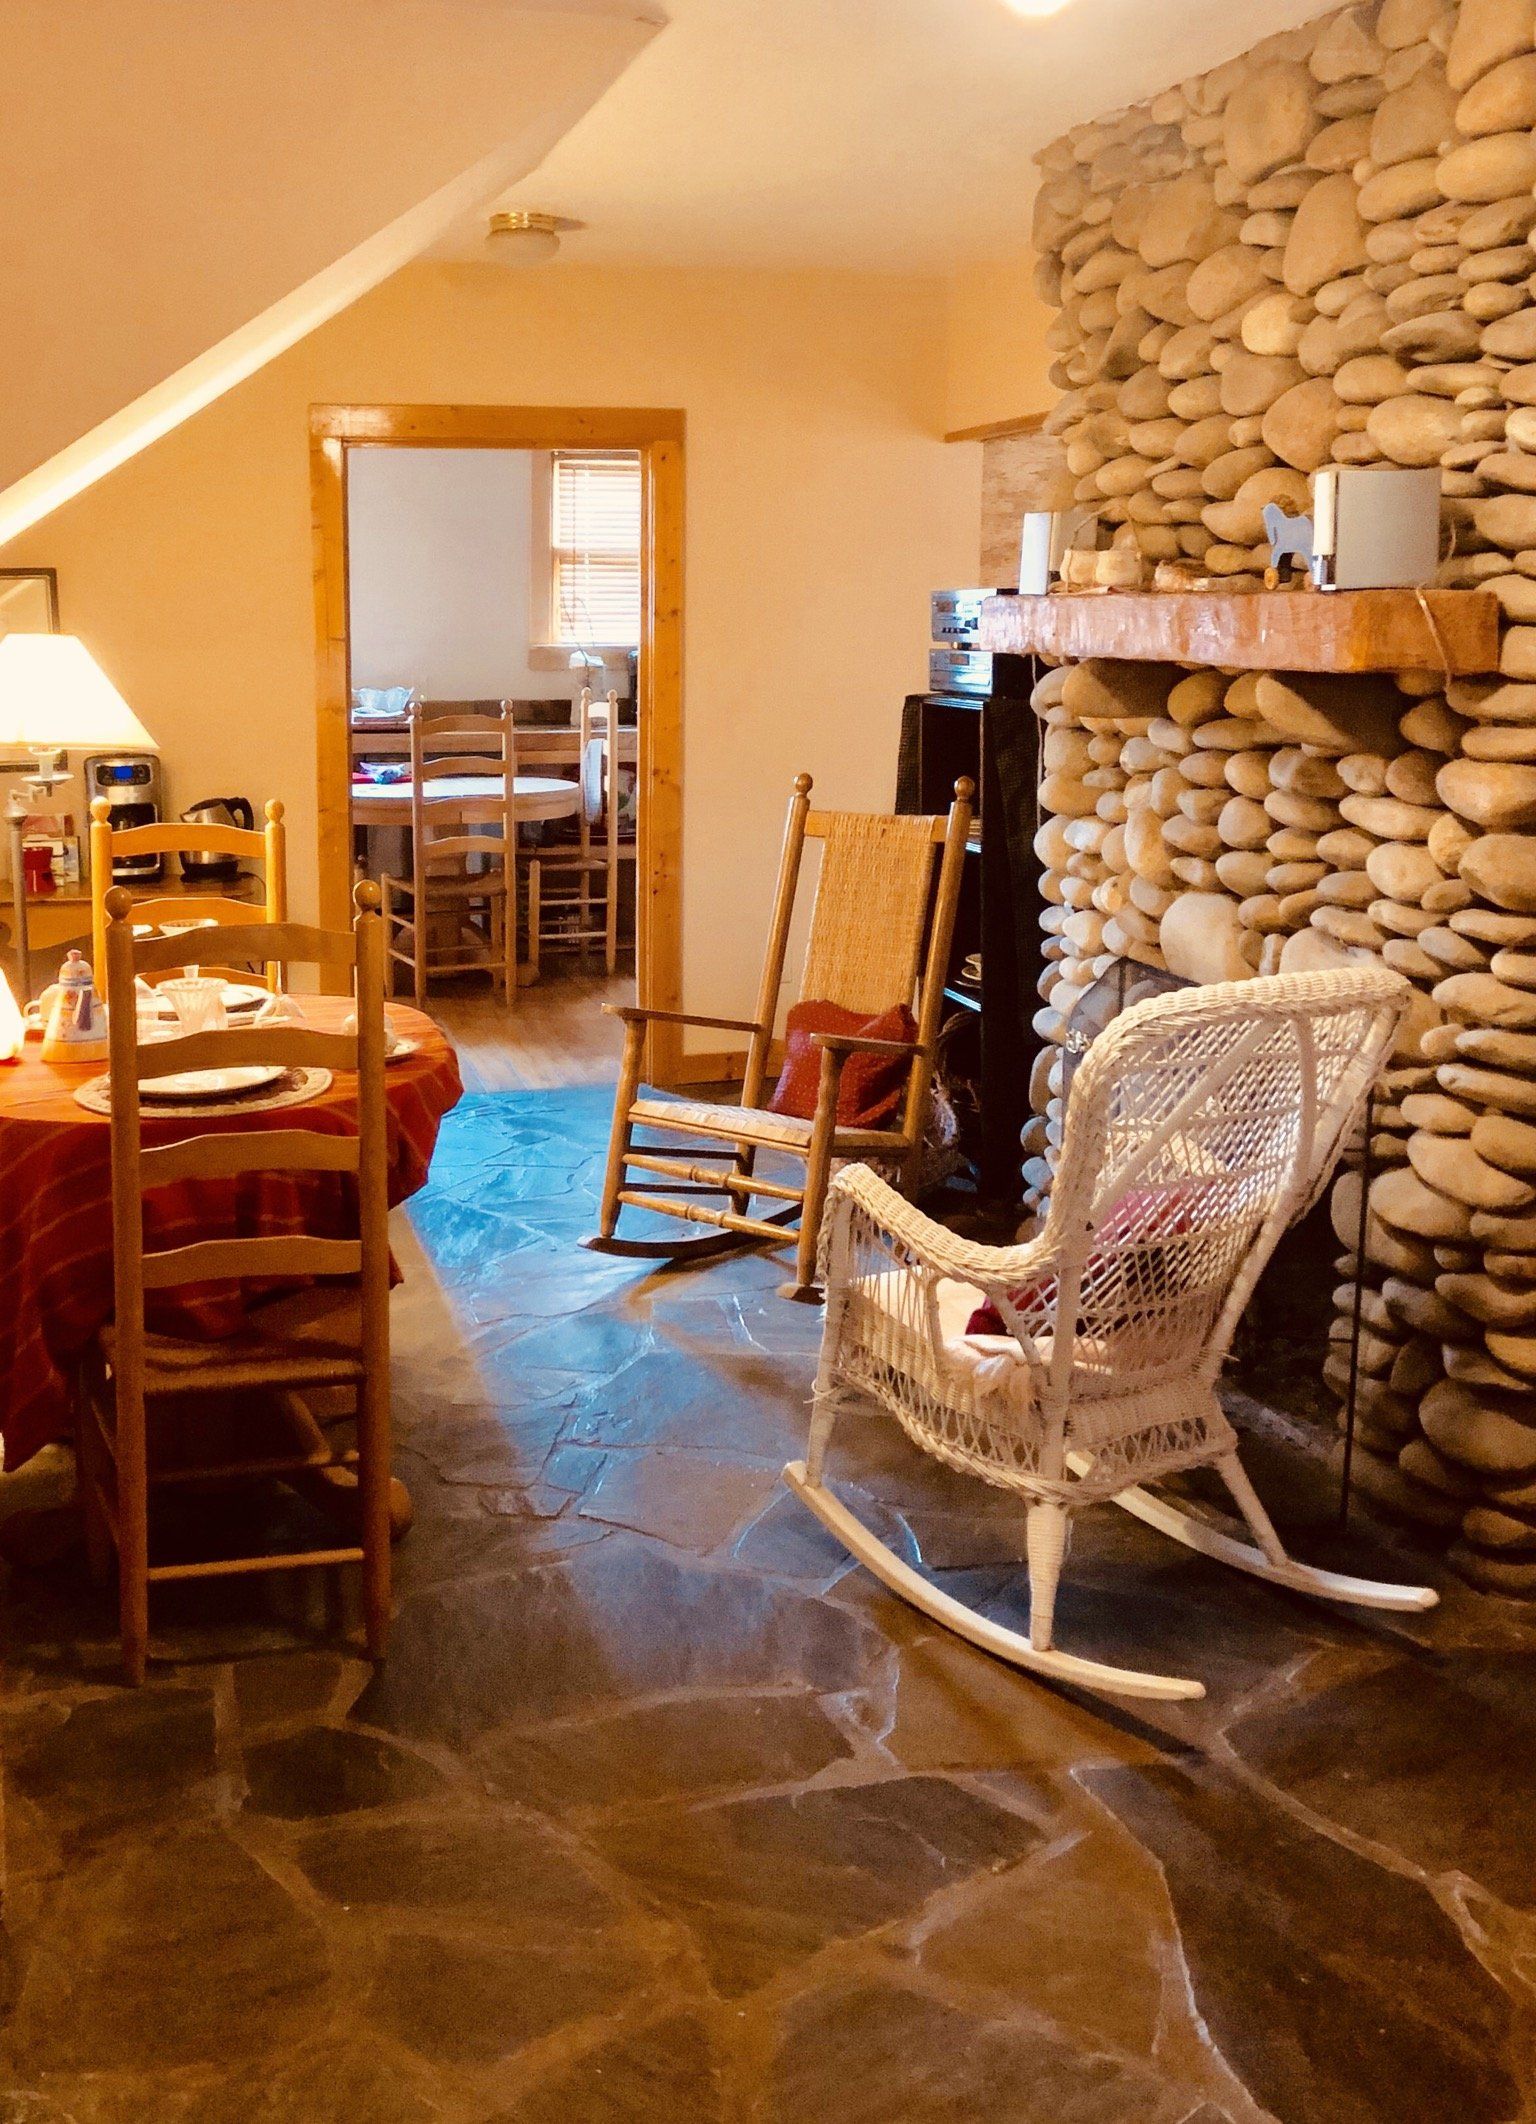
183,178
440,575
997,356
822,508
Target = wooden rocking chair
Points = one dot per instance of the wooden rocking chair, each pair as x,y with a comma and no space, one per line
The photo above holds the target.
1199,1125
875,898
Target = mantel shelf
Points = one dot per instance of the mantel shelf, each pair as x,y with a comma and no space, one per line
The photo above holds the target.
1262,630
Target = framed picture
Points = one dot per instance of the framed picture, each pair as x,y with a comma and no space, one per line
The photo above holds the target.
29,601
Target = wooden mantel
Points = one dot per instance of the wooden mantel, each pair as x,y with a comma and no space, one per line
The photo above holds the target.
1262,630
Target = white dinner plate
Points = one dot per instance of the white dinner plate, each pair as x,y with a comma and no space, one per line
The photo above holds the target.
211,1083
240,997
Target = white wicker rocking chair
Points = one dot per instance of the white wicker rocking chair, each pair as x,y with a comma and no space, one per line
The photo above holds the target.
1199,1125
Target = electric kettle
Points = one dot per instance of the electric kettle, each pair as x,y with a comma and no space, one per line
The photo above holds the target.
201,864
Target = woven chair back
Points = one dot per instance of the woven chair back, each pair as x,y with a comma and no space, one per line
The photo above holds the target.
1199,1126
870,911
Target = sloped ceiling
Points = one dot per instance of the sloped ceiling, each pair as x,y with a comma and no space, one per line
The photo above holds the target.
886,134
193,184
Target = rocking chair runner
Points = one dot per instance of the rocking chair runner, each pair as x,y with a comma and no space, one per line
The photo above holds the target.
874,899
1199,1125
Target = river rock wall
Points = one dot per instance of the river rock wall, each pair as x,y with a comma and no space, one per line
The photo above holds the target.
1322,253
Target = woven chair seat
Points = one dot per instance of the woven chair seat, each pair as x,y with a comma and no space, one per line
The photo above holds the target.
454,884
754,1124
308,1338
971,1399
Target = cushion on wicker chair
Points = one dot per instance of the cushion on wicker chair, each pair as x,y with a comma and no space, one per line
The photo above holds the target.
872,1086
1141,1217
990,1360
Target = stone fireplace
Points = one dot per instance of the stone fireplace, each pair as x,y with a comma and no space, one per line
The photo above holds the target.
1319,254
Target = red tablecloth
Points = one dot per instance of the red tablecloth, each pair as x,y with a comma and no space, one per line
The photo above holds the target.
56,1210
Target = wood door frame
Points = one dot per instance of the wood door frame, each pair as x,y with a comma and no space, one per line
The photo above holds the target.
658,435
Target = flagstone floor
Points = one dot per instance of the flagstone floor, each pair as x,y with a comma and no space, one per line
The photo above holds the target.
659,1810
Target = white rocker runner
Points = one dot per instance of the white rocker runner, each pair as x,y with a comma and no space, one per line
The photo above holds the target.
1199,1126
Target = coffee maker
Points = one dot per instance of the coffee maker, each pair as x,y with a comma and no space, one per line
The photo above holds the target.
130,782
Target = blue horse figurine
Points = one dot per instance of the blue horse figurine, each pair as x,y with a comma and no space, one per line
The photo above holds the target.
1290,538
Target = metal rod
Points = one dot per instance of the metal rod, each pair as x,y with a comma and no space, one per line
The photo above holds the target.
16,818
1367,1174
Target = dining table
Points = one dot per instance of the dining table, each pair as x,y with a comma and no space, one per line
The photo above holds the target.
477,797
56,1206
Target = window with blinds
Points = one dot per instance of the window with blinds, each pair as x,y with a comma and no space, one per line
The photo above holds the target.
595,548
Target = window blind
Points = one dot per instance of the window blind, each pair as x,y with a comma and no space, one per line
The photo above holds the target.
595,548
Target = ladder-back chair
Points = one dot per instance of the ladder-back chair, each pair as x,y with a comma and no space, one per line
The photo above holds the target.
1078,1367
459,783
573,891
266,845
876,902
331,1338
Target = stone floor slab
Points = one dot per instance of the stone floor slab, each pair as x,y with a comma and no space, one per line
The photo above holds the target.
764,1883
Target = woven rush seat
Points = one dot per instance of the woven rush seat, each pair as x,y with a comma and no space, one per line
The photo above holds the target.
309,1338
452,885
701,1117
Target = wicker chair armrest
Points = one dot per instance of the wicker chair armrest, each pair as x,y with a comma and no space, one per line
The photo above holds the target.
846,1044
638,1014
997,1270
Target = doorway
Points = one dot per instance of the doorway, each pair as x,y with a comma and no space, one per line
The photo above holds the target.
655,439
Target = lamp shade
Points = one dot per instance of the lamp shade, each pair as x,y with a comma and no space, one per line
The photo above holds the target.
54,693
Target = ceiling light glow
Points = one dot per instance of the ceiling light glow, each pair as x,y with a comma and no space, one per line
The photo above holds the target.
1037,10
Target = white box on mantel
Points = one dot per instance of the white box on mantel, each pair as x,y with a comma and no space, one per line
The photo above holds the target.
1375,527
1048,535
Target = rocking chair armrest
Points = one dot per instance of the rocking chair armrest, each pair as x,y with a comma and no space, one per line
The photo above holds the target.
639,1014
846,1044
997,1270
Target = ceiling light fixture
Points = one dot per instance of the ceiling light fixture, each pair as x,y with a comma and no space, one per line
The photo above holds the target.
519,238
1037,10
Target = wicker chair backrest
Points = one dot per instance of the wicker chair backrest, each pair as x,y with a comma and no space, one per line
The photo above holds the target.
1199,1126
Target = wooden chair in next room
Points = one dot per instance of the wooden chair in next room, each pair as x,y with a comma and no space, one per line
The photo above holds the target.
457,911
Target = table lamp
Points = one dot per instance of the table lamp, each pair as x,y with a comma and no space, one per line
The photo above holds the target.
54,697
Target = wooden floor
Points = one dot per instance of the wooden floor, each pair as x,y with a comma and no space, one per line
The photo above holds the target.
556,1034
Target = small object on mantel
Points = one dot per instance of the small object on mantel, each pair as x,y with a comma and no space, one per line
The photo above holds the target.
1120,568
1290,539
1375,526
1047,538
1078,567
1266,630
1183,575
